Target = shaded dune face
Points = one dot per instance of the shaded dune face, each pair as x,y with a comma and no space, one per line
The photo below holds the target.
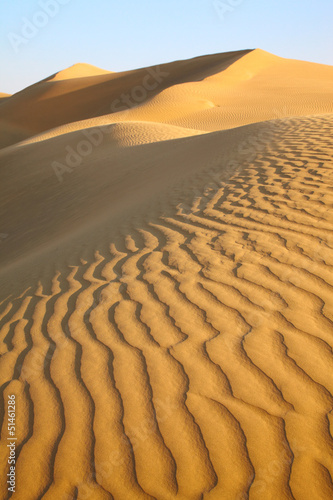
166,305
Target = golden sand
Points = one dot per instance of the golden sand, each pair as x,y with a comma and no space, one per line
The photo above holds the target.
166,281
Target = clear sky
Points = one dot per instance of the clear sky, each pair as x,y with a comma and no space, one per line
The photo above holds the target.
41,37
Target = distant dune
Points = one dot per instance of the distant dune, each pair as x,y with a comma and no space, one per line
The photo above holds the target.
79,70
166,253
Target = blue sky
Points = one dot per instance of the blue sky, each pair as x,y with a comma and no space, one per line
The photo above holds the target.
40,37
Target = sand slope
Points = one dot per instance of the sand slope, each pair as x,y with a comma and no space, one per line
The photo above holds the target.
166,303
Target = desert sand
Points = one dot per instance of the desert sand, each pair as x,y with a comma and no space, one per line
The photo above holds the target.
166,274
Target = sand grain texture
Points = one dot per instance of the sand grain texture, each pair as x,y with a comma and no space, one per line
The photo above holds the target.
166,305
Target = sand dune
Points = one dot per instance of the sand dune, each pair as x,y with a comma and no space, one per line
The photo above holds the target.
166,285
208,93
80,70
51,103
